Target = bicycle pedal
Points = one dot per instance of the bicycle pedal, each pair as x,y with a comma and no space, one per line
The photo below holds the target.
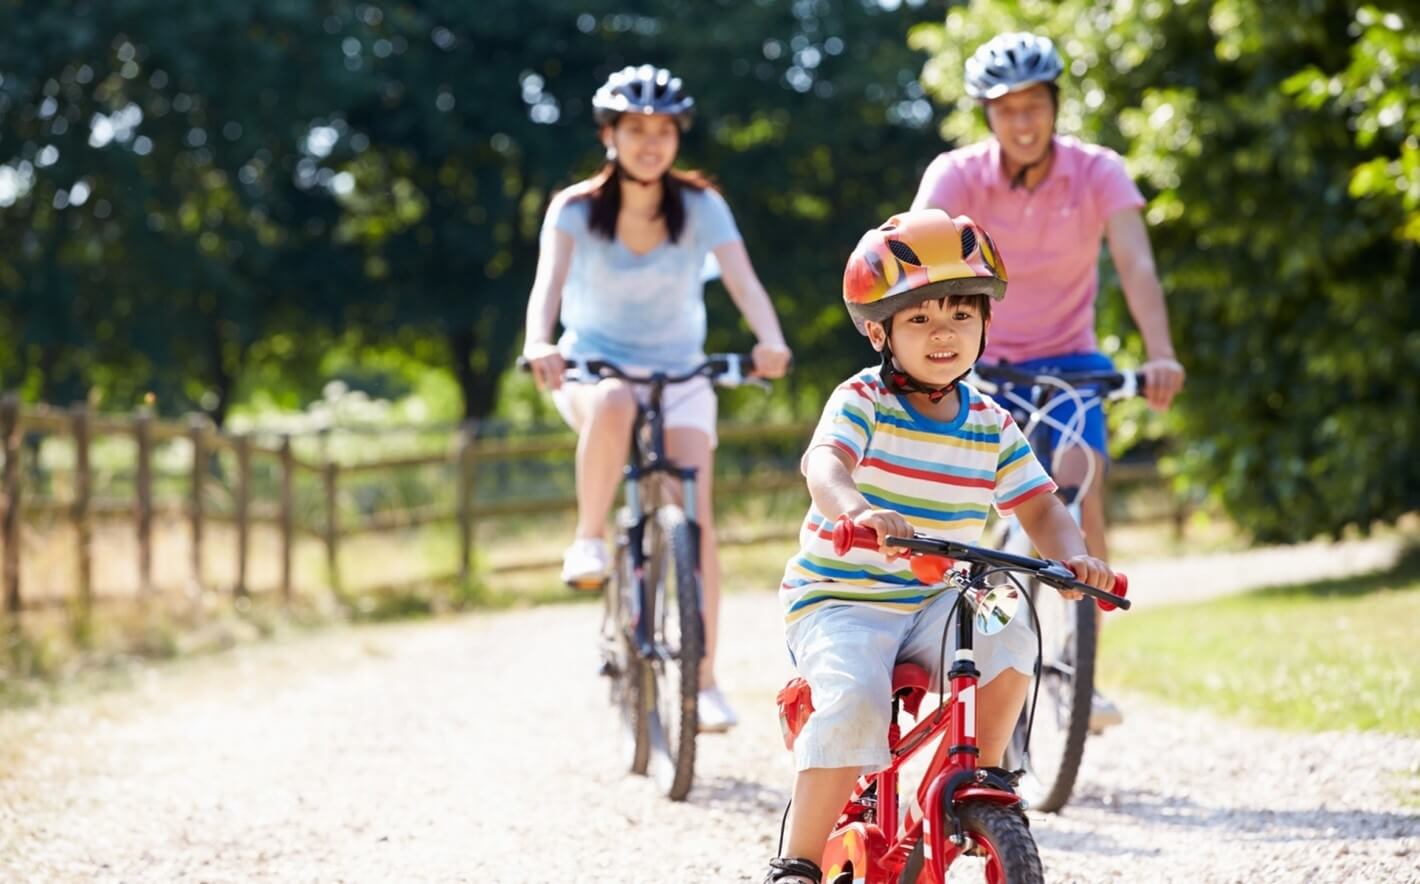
607,669
587,585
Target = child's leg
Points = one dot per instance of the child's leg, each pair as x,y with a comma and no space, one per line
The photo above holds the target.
819,796
846,654
998,705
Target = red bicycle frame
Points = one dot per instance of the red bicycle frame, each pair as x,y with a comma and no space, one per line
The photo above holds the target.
874,839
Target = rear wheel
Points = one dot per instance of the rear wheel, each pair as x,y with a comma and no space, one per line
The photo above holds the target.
631,689
1051,759
673,573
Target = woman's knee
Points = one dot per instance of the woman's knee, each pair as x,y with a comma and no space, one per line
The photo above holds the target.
612,402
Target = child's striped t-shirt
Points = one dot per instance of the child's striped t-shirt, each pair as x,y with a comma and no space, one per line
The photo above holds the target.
941,477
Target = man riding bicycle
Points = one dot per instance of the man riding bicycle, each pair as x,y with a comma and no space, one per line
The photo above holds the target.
1048,201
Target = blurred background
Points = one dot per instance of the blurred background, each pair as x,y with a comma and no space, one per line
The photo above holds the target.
316,220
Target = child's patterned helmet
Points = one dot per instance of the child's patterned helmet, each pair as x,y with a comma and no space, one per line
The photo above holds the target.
916,256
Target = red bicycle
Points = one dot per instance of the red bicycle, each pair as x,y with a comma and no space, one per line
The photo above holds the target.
957,815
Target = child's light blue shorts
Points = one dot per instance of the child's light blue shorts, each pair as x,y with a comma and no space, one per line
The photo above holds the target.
846,652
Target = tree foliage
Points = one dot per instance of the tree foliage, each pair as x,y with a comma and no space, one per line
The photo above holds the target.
202,200
1279,153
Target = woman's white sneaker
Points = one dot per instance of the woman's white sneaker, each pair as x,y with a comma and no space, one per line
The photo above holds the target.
585,564
715,713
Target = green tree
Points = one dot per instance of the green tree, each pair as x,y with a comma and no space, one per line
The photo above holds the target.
158,220
1279,153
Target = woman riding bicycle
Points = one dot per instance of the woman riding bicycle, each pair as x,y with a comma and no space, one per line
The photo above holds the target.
1048,200
621,264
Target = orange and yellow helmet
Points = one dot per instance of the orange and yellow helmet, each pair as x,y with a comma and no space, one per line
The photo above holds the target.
916,256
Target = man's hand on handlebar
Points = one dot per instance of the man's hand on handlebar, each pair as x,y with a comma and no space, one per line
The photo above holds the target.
546,364
1163,378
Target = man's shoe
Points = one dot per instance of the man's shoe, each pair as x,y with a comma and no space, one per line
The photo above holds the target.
715,713
585,565
1103,714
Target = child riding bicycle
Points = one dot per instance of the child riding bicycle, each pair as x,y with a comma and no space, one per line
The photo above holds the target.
901,447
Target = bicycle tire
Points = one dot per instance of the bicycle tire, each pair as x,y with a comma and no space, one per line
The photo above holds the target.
631,693
673,569
1062,721
1004,839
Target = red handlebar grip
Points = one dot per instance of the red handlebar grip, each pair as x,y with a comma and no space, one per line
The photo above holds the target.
847,535
1121,589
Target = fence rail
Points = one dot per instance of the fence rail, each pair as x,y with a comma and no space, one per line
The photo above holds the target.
467,455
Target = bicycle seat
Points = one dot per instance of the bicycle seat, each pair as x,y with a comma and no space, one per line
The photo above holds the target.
910,683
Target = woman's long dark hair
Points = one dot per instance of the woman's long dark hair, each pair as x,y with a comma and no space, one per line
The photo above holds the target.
605,197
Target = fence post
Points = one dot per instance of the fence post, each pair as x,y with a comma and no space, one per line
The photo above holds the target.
83,527
242,444
332,525
288,468
10,434
199,456
466,466
143,501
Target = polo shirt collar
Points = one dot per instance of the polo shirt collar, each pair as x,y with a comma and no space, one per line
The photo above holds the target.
1063,167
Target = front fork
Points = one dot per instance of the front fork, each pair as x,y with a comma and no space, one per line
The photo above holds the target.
956,757
642,598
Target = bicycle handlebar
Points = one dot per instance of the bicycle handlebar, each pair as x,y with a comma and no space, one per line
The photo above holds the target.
933,557
725,369
1130,383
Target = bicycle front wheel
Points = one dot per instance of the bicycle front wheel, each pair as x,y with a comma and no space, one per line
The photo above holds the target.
1062,719
673,573
1001,849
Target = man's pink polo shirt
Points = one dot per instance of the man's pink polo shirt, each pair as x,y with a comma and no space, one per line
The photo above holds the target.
1049,238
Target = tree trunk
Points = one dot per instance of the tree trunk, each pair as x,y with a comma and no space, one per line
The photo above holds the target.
478,387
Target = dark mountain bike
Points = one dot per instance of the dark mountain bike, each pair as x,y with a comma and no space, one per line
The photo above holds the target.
653,631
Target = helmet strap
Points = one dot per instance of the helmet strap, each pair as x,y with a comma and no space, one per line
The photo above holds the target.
899,381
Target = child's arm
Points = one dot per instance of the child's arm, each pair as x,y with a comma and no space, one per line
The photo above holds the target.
1056,536
829,472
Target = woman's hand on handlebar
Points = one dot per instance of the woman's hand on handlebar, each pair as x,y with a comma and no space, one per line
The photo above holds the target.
546,364
771,360
887,524
1088,569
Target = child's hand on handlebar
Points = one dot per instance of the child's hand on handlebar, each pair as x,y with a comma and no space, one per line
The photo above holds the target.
1088,569
771,360
887,524
546,364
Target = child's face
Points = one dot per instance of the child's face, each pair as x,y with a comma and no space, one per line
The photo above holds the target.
935,342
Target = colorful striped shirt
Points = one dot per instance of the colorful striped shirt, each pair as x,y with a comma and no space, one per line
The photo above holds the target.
942,477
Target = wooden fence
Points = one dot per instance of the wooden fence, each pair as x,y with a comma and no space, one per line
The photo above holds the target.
467,455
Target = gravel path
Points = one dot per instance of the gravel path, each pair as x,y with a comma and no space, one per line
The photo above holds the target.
480,749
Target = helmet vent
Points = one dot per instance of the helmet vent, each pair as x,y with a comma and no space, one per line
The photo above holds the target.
904,252
968,242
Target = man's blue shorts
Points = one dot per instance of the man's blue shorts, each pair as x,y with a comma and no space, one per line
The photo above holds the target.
1063,409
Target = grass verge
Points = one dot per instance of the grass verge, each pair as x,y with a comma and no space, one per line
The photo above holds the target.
1327,655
